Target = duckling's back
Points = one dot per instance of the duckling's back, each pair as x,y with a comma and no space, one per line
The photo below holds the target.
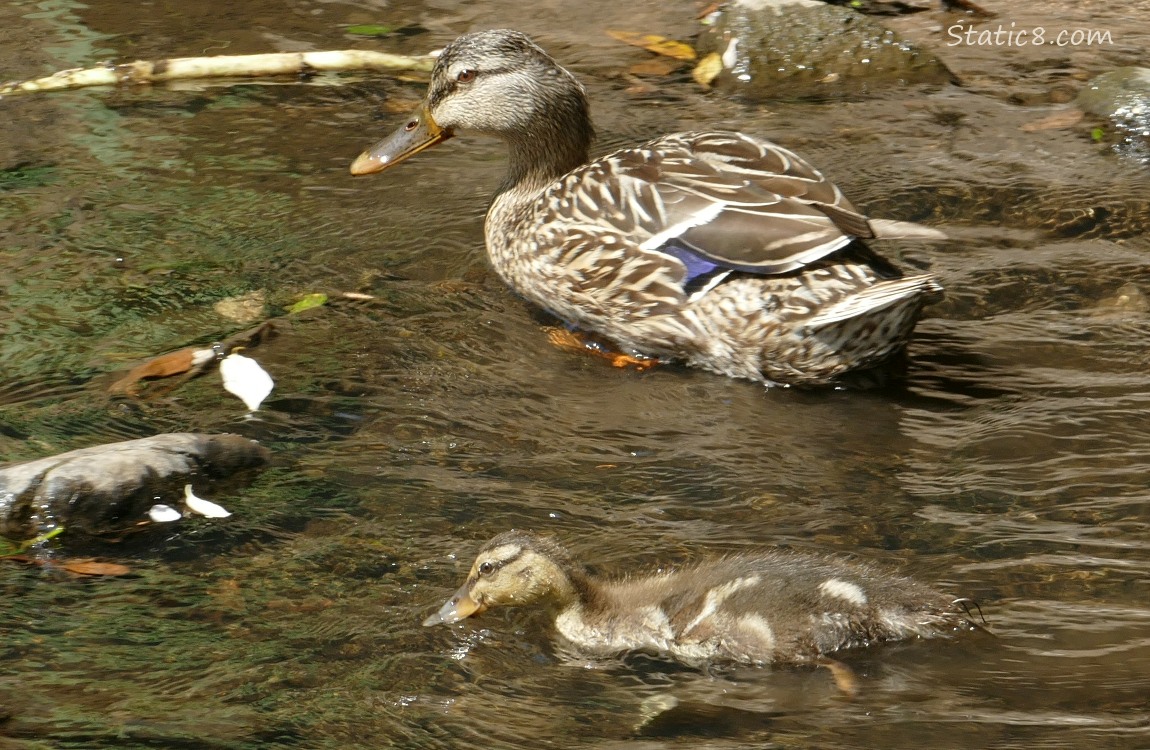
774,607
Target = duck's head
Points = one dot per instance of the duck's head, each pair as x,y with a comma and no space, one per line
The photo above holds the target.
514,568
492,82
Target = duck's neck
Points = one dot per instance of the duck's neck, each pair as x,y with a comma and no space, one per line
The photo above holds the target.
537,160
535,164
570,585
552,146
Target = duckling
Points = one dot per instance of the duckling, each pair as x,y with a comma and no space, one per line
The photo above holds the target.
773,607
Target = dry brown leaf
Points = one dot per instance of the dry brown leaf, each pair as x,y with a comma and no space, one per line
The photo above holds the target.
84,567
1065,119
660,45
186,362
163,366
94,568
708,10
656,66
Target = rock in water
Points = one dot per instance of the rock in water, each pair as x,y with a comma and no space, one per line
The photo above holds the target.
107,489
810,50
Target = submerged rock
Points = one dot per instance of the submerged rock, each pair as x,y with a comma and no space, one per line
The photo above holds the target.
1127,300
808,49
108,489
1122,96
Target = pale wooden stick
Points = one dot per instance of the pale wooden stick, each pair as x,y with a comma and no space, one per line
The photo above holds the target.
280,63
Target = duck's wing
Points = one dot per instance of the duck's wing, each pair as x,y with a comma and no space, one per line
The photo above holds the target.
718,201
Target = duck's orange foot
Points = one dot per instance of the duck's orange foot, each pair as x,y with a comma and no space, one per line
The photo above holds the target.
573,341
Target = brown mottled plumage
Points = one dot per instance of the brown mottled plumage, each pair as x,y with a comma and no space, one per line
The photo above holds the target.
772,607
718,249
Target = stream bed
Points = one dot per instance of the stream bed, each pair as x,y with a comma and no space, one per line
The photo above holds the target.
1011,466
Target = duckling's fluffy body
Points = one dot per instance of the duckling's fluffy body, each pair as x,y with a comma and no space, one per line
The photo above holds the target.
718,249
772,607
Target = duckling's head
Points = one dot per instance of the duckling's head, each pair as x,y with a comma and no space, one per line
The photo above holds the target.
514,568
494,82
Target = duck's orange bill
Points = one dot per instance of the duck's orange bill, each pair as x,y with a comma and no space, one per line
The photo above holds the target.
458,607
419,132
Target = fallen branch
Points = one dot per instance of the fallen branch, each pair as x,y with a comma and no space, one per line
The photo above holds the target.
177,68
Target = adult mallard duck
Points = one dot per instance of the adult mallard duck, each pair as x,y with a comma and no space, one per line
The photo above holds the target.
774,607
717,249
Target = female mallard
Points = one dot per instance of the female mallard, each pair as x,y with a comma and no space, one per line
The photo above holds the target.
718,249
774,607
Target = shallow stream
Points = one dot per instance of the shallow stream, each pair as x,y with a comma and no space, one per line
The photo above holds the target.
1012,466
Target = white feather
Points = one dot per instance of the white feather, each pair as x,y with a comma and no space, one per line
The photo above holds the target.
244,377
202,506
161,513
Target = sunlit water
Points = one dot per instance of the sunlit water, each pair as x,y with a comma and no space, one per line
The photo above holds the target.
1011,467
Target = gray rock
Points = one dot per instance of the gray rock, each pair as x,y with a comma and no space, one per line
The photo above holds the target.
809,50
108,489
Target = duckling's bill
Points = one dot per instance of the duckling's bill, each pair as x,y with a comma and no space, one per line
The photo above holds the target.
418,133
459,607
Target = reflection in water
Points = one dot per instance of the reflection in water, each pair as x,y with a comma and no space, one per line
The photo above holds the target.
1012,464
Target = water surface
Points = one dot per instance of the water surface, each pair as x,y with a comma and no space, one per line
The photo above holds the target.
1010,467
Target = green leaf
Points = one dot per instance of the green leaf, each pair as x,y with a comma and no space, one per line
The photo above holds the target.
308,302
1097,134
8,547
370,29
42,538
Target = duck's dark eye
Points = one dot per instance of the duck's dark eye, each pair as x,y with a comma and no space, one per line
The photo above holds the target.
411,125
486,569
467,75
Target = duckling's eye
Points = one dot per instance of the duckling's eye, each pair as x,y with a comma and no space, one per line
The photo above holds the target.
486,569
467,75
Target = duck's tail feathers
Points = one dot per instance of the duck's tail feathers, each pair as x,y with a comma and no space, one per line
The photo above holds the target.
889,229
879,296
854,224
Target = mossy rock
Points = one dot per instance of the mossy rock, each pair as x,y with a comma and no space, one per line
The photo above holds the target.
1122,97
803,49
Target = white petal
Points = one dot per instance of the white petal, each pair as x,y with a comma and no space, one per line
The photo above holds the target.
202,506
244,377
731,54
164,513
